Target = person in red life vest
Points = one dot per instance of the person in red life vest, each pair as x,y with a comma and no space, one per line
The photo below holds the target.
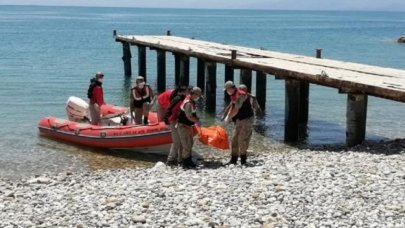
163,103
170,118
141,99
187,118
241,112
164,99
95,94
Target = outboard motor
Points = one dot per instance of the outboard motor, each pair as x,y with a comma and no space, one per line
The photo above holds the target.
77,109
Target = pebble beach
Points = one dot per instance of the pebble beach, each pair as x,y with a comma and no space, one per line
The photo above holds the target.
363,187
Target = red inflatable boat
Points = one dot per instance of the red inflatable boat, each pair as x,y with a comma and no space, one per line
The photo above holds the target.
149,137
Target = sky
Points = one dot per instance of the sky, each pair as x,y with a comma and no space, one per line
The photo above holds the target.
379,5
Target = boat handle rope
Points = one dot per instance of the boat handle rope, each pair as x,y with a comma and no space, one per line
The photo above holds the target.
55,128
78,130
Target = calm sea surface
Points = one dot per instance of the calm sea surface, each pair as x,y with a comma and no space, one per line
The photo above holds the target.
49,53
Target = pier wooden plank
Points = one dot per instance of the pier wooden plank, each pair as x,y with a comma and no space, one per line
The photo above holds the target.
346,76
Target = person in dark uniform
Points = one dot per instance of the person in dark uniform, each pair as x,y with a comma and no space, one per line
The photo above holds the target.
171,118
187,118
241,112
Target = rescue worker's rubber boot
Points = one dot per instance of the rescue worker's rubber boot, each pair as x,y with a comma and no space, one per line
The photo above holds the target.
191,164
171,163
233,160
145,120
188,163
243,159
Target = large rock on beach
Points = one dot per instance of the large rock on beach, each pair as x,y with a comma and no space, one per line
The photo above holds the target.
401,39
159,167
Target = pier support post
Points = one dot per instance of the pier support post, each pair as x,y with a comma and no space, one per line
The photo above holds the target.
296,110
211,86
246,78
303,110
184,70
142,61
177,58
126,58
229,76
201,74
356,115
161,70
261,87
292,95
319,53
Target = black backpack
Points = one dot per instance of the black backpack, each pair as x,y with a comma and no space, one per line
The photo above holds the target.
91,87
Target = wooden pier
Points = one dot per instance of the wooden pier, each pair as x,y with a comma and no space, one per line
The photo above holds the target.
356,80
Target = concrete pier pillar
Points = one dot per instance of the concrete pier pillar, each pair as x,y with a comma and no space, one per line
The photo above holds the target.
356,115
210,86
161,70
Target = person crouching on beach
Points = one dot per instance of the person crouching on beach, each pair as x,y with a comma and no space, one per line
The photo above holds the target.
96,96
187,118
141,98
170,118
241,112
164,99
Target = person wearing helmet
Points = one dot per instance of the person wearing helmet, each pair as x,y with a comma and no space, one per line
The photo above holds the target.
186,119
241,112
141,100
96,97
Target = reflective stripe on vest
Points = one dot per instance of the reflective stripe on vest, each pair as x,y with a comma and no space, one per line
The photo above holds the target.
188,100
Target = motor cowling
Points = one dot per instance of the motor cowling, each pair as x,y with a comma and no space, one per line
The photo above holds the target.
77,109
